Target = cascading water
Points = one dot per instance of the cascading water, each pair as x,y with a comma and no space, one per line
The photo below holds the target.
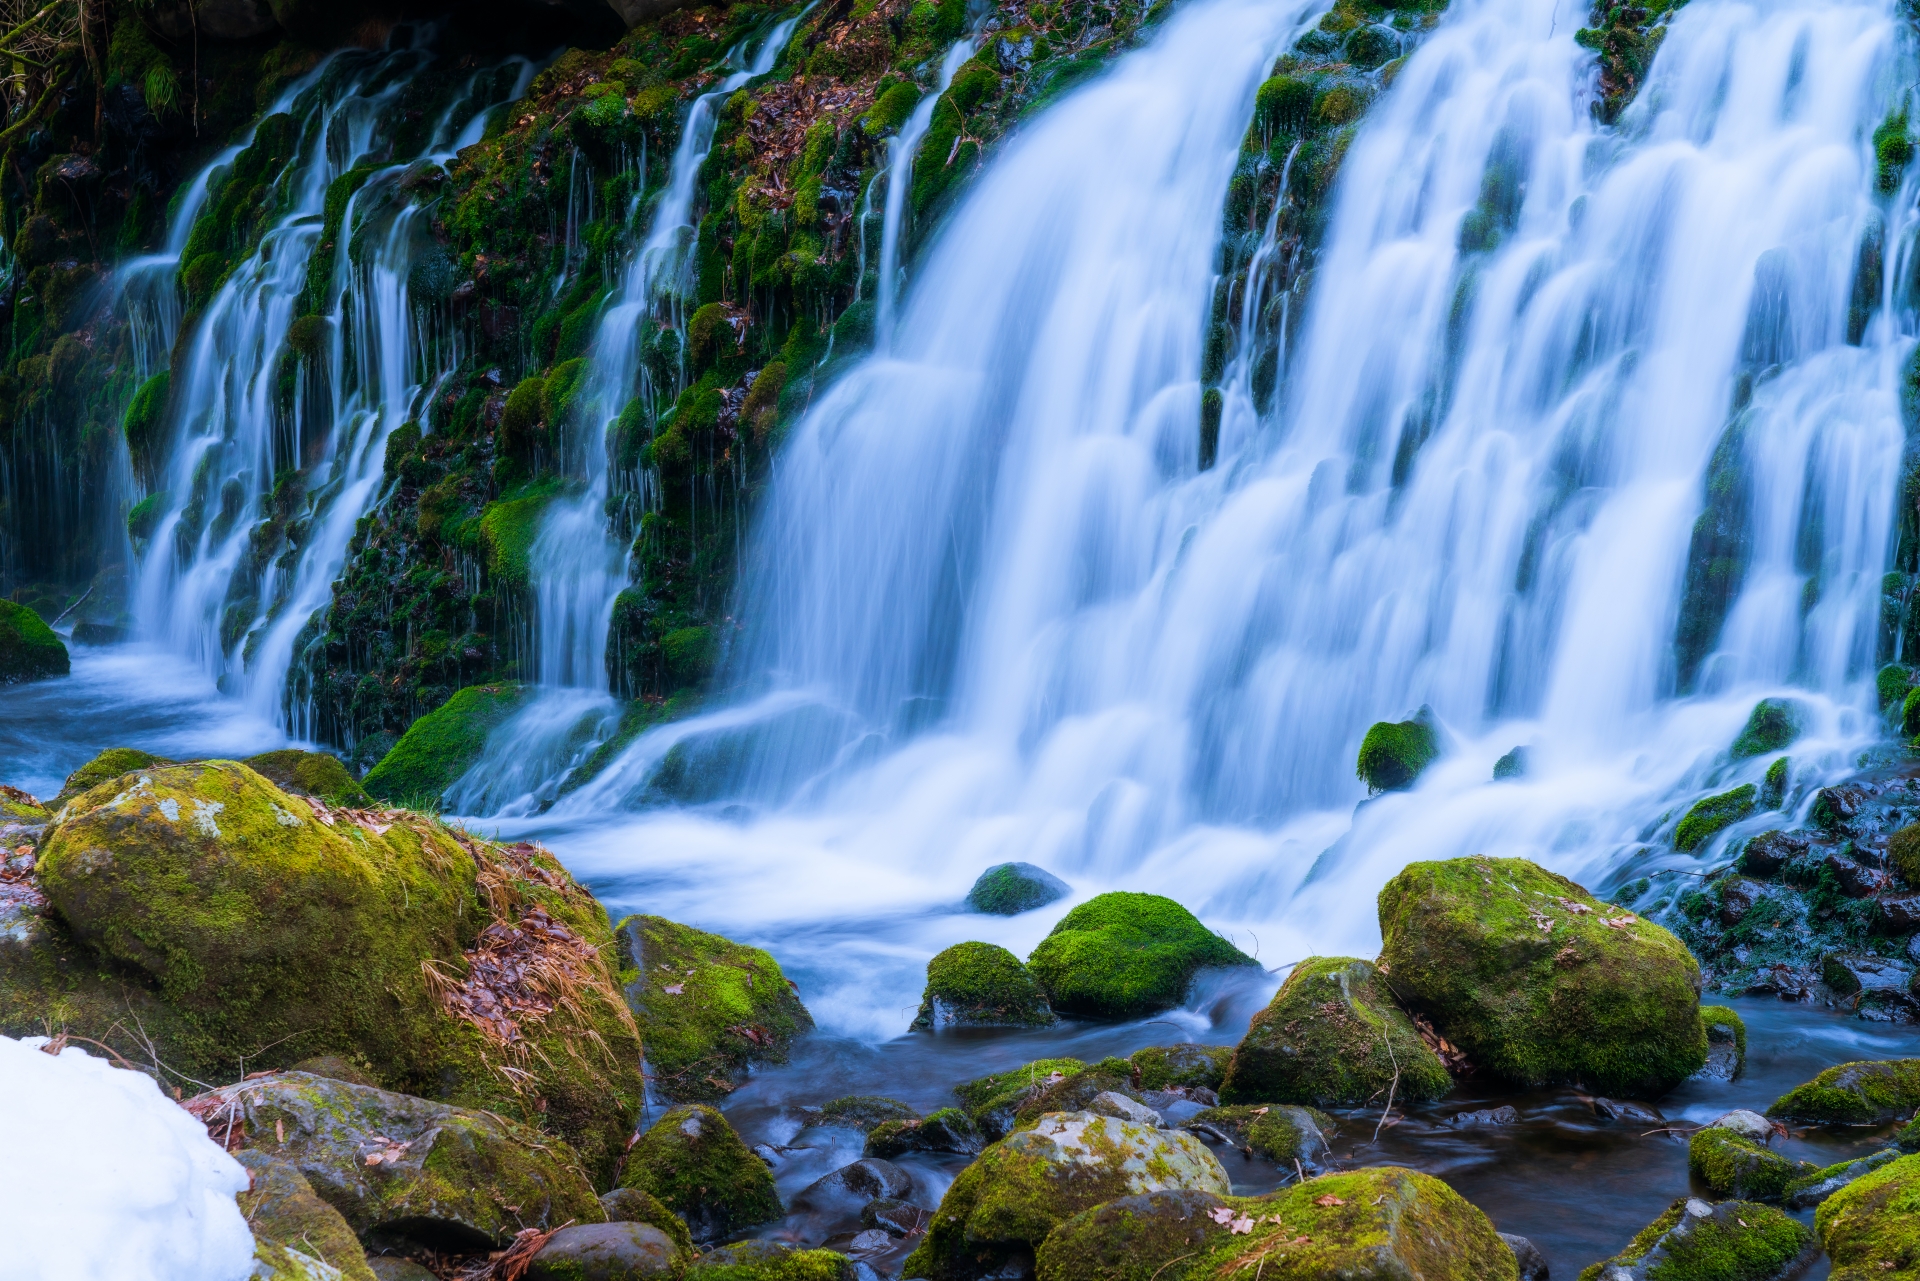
253,457
901,150
995,612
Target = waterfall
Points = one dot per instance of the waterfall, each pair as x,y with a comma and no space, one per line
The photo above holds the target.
280,434
901,149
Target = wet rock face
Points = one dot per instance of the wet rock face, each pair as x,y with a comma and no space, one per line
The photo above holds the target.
29,650
605,1252
693,1162
1694,1239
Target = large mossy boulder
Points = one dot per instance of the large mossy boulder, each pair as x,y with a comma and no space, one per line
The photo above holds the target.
1333,1037
1871,1092
1008,889
404,1168
1732,1241
1733,1160
29,650
287,1217
1394,754
440,746
1871,1227
696,1166
707,1007
110,764
1001,1207
237,927
1387,1222
1539,982
980,985
1125,956
317,774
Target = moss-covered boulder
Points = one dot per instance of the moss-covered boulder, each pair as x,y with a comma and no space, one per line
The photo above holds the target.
1539,982
1272,1131
1002,1206
707,1007
1774,725
1872,1092
1162,1067
110,764
1394,754
1333,1037
29,650
397,1166
980,985
1733,1163
947,1130
631,1205
317,774
606,1252
1726,1042
1123,956
286,1215
1076,1091
1871,1227
440,746
696,1166
1732,1241
863,1112
771,1261
1713,813
1387,1222
1008,889
1814,1188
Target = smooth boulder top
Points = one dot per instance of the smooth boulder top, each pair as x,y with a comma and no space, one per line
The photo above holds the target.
1123,955
605,1252
980,985
1008,889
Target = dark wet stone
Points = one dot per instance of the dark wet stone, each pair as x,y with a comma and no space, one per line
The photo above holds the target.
604,1252
1533,1264
1848,974
1008,889
1857,879
1900,913
1502,1115
948,1130
900,1218
868,1179
1629,1113
1768,852
862,1112
1835,808
388,1268
1737,897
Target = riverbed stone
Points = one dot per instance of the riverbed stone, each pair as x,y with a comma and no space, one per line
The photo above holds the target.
29,649
1527,1257
863,1112
605,1252
853,1185
1726,1043
694,1163
1002,1206
631,1205
708,1008
1271,1131
993,1101
1333,1037
1008,889
1694,1241
282,1209
1539,982
980,985
1161,1067
947,1130
1123,955
1812,1189
1869,1092
1728,1159
1871,1227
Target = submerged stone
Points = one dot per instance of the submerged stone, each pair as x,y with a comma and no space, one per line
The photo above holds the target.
1122,955
1732,1241
1871,1227
1862,1093
863,1112
693,1162
1008,889
980,985
1726,1043
1539,982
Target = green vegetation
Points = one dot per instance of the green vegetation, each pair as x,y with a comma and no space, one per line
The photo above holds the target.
1732,1241
1710,815
1124,955
438,748
29,650
1394,754
1862,1093
1774,725
697,1166
1723,1024
1871,1228
980,983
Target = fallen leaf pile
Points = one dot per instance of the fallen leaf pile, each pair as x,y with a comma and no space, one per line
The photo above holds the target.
517,972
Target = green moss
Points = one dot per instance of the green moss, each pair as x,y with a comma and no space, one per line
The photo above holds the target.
1891,683
946,1130
109,764
707,1007
980,983
1774,724
1735,1166
631,1205
1710,815
1283,105
1008,889
280,1206
1773,789
562,386
145,515
520,432
438,747
891,109
1274,1132
508,528
1862,1093
1812,1189
1394,754
29,650
1871,1227
1123,955
145,424
998,1087
770,1261
1522,969
697,1166
1910,713
1332,1036
1892,152
1733,1241
1159,1066
314,773
1723,1024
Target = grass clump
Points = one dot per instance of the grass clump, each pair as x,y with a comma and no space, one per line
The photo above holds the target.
1122,955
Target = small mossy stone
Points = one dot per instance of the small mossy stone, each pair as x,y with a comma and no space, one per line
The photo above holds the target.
1874,1222
1869,1092
1539,982
1159,1067
1775,724
1008,889
394,1268
109,764
992,1101
864,1111
439,746
1903,853
1122,955
1908,1139
1332,1036
631,1205
1512,765
281,1207
1773,788
1726,1042
1395,753
693,1162
29,649
980,985
605,1252
1735,1166
1713,813
707,1007
1271,1131
318,774
1732,1241
947,1130
1000,1208
1812,1189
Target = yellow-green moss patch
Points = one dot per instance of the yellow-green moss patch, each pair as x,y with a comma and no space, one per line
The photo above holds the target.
1122,956
1865,1093
1871,1227
980,984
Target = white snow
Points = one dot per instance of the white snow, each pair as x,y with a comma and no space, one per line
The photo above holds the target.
107,1179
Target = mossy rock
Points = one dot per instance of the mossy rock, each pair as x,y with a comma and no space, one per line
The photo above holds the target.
1710,815
992,1101
108,765
863,1112
29,650
1814,1188
1077,1092
1124,956
282,1210
1735,1166
707,1007
631,1205
771,1261
440,746
947,1130
1774,725
1726,1042
18,807
1903,853
1387,1222
980,985
1000,1208
1272,1131
318,774
1539,982
1732,1241
1008,889
693,1162
1160,1067
403,1167
1394,754
1870,1092
1333,1037
1871,1227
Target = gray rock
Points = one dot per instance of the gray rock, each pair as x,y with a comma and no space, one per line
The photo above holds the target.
1815,1188
1533,1264
1008,889
895,1216
868,1179
604,1252
1631,1113
1502,1115
386,1268
291,1224
1737,897
1750,1126
1122,1108
861,1112
1900,913
1848,973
